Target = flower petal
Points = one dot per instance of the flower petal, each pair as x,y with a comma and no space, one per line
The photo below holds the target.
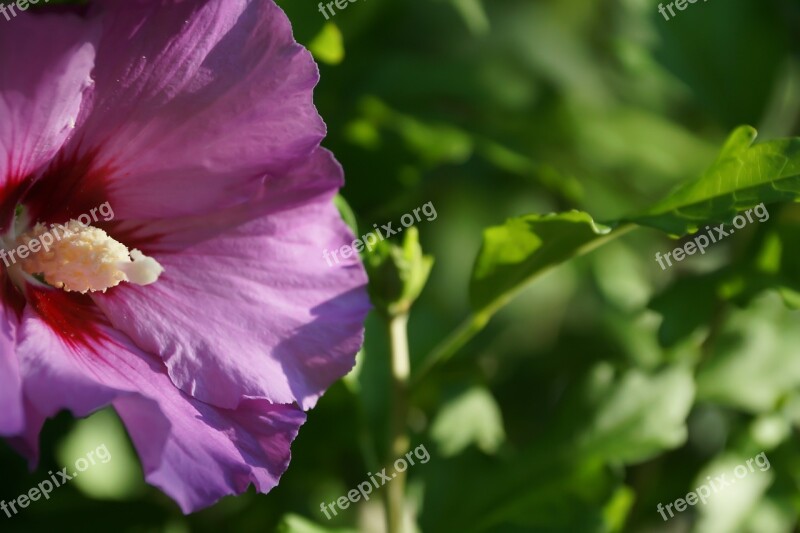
44,75
206,96
194,452
12,417
277,322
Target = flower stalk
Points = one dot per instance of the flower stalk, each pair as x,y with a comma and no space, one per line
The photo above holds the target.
399,441
397,276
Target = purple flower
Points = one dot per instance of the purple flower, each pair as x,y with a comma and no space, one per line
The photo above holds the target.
202,311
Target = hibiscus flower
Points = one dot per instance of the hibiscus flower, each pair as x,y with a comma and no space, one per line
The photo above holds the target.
202,311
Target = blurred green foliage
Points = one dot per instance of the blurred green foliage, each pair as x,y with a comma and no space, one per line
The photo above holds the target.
608,385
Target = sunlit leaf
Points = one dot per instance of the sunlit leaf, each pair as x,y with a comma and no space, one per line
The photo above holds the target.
743,176
523,247
473,417
328,45
113,472
640,415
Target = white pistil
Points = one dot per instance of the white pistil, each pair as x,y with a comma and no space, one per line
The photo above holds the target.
84,258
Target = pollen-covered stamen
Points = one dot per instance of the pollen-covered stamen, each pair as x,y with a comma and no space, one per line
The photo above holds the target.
82,258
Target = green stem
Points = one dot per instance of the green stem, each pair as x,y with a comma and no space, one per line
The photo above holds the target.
399,440
476,321
460,336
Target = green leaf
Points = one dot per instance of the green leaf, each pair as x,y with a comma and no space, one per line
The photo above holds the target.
681,320
524,247
474,15
753,365
743,176
512,255
639,416
114,472
616,511
328,45
471,418
397,274
777,264
718,514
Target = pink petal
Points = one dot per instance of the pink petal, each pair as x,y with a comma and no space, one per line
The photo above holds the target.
12,418
194,452
255,311
195,103
44,75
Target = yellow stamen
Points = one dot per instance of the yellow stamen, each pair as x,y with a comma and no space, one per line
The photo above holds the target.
82,258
